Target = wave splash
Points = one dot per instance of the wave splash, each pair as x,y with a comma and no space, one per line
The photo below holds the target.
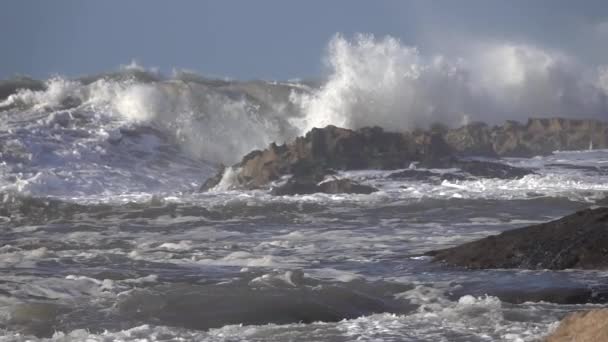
383,82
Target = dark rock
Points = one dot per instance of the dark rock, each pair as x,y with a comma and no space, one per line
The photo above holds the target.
213,180
603,202
579,240
303,186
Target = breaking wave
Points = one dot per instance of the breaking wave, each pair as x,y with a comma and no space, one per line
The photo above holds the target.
84,135
383,82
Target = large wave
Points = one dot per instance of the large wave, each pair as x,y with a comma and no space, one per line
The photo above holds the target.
383,82
369,81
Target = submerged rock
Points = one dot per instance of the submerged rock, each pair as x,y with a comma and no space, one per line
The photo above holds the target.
579,240
584,326
554,293
300,186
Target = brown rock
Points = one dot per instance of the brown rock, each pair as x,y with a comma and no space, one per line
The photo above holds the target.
584,326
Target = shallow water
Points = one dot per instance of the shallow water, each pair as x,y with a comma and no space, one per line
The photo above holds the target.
104,238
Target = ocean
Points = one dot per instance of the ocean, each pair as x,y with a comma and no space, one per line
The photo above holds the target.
105,236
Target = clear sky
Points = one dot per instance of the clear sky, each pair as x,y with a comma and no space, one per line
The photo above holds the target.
273,39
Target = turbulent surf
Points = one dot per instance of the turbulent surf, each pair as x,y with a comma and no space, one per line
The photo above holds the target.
106,236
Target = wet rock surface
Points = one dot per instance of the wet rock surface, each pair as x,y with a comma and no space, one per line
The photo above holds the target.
579,240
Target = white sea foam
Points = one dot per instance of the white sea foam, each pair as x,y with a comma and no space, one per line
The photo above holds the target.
382,82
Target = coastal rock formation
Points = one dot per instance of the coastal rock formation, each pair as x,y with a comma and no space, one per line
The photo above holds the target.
536,137
584,326
302,186
324,149
331,148
579,240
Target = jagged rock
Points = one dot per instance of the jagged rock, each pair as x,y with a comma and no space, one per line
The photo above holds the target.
579,240
583,326
331,147
303,186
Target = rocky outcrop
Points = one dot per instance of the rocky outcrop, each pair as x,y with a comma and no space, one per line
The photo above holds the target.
584,326
536,137
579,240
325,149
303,186
333,148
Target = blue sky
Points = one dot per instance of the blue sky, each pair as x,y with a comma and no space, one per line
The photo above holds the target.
273,39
